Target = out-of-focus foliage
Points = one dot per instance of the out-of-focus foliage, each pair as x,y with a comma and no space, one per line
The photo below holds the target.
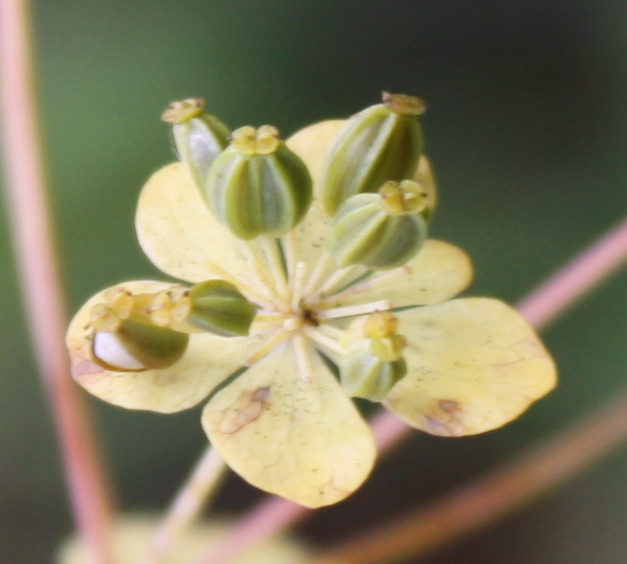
526,130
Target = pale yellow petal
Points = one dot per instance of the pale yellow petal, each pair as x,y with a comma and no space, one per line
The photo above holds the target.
307,241
207,361
312,144
180,235
302,440
424,175
473,365
438,272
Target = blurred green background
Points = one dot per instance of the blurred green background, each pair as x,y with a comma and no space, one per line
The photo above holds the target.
527,130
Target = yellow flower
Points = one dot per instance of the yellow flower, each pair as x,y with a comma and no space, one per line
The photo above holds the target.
284,422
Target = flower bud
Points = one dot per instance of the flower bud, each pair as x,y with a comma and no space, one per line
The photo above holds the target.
198,136
381,230
218,306
257,185
372,363
382,142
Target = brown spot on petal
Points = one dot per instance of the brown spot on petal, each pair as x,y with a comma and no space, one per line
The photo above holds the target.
447,421
449,405
244,410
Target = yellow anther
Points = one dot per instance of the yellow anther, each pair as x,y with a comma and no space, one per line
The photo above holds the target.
402,198
388,349
170,307
250,141
244,140
380,324
102,318
183,110
267,140
403,104
120,301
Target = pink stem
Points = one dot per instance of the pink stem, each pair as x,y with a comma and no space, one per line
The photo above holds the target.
541,306
579,276
34,247
492,495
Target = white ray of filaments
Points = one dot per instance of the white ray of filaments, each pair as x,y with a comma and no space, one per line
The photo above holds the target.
372,283
349,311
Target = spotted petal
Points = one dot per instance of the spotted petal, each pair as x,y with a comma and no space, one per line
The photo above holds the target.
303,440
208,360
473,365
180,235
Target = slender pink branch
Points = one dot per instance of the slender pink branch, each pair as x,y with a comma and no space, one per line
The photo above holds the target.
34,247
493,495
579,276
543,305
196,493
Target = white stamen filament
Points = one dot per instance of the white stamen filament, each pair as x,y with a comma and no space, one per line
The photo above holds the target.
273,340
318,273
331,346
349,311
269,249
267,321
302,352
265,278
288,244
330,331
366,286
341,278
298,283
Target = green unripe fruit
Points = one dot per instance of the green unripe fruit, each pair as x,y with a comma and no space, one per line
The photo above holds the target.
257,185
382,142
381,230
199,137
366,376
219,307
136,346
372,362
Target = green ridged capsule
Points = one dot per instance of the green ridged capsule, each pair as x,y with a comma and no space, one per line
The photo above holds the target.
381,230
372,363
199,137
257,185
125,338
135,346
219,307
382,142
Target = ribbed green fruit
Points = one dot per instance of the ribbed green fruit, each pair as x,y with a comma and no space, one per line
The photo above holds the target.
199,137
137,346
219,307
257,185
366,232
382,142
363,374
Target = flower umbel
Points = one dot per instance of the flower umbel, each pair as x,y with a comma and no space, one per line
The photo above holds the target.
300,257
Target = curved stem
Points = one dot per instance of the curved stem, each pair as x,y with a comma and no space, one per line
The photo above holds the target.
195,493
579,276
493,495
33,239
